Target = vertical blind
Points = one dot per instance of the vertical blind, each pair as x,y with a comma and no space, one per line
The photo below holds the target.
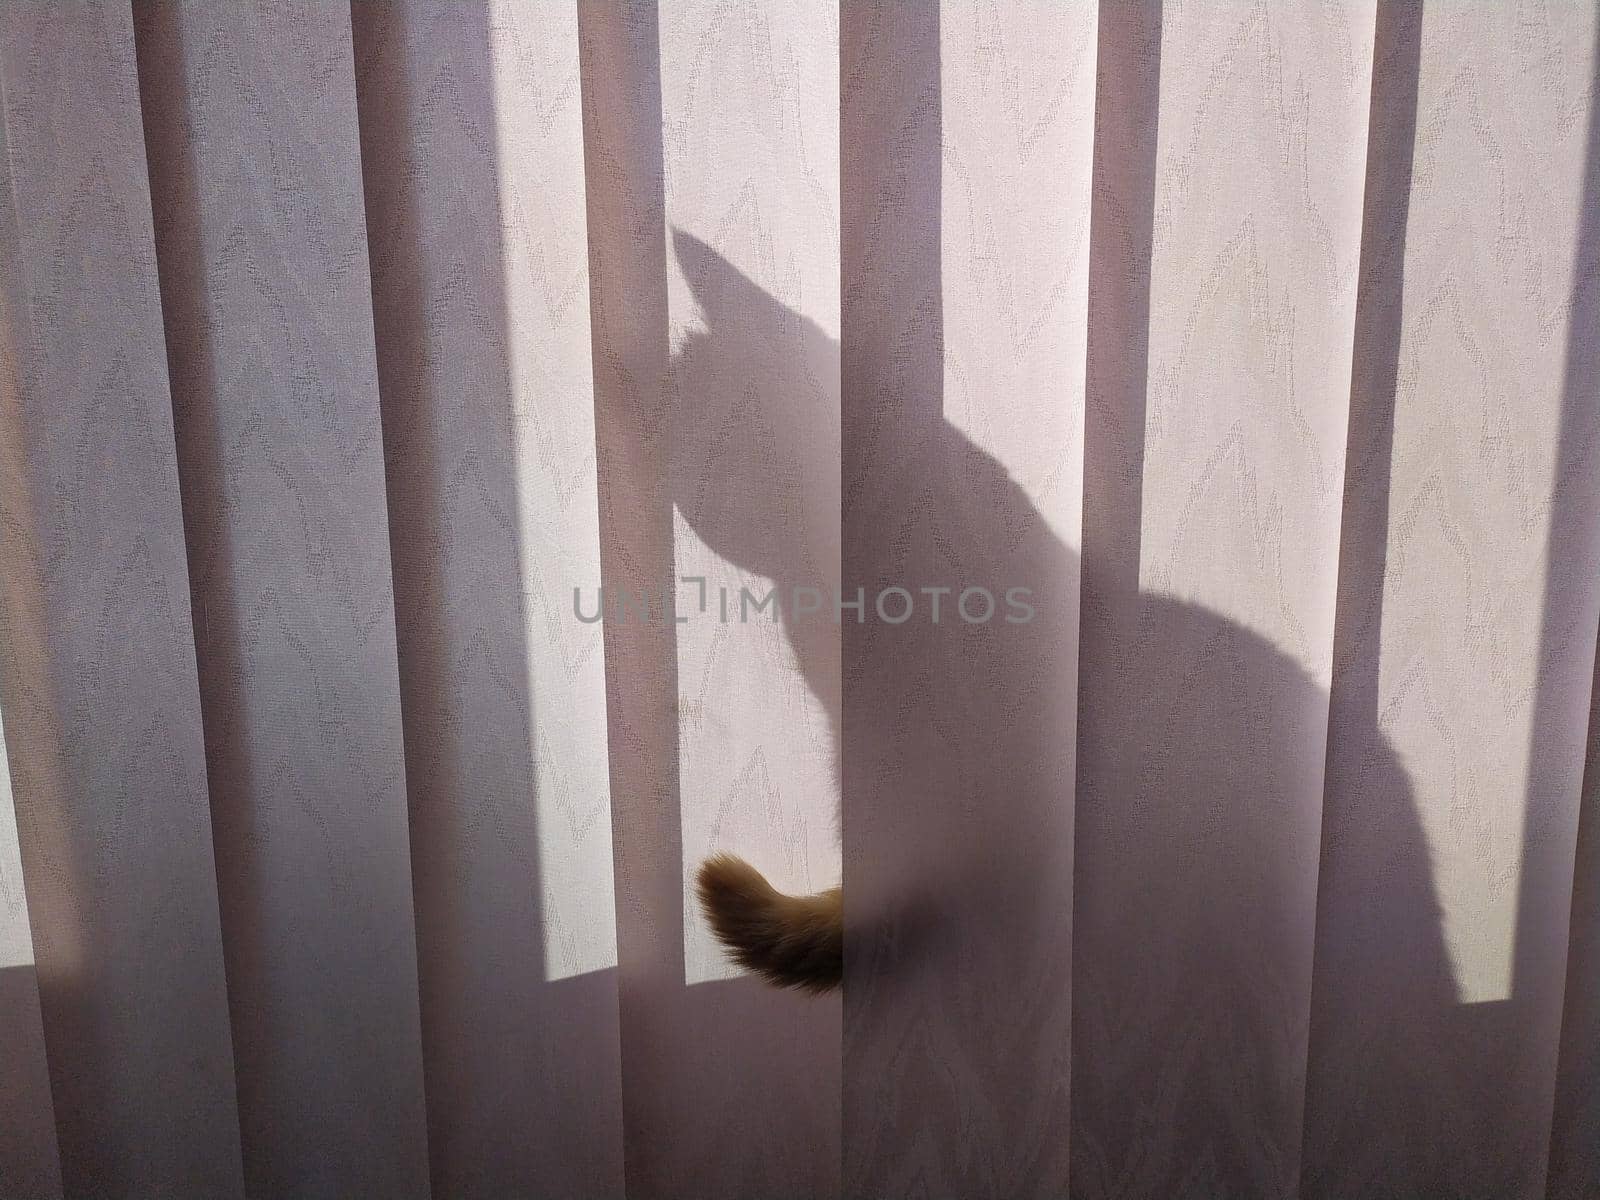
350,350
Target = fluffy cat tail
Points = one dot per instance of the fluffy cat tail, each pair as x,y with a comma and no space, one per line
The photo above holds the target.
790,941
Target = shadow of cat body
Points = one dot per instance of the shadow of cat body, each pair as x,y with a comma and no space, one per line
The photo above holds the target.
1148,988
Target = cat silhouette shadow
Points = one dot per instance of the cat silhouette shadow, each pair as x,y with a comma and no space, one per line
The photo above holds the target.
1157,955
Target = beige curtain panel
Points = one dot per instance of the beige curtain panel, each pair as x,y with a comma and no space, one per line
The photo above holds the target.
349,350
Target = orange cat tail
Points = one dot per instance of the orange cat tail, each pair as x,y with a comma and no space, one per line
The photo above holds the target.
791,941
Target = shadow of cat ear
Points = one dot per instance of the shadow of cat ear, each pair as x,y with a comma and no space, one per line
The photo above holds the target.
706,271
725,295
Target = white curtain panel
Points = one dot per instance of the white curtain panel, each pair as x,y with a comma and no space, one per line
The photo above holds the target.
348,350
